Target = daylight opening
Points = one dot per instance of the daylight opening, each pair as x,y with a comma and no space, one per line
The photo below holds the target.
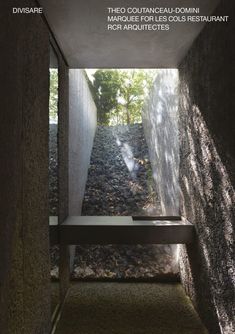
134,160
123,161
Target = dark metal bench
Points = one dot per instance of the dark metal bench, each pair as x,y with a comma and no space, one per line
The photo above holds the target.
121,230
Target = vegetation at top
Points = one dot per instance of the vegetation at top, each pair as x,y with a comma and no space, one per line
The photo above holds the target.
120,94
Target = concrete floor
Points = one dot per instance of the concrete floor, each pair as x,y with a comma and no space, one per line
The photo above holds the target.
128,308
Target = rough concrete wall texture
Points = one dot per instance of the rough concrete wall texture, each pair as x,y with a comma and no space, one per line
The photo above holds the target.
160,122
24,239
66,253
82,127
206,179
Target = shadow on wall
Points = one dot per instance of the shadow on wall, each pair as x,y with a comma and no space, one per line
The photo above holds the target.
160,121
208,270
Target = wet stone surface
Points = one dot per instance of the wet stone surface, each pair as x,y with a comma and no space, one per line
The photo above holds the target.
125,262
119,183
120,176
53,171
53,193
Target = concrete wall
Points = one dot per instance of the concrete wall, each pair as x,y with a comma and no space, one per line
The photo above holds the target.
24,244
66,253
160,121
207,121
63,136
82,126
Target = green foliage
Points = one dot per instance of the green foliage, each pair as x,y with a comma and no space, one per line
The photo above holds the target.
119,94
53,99
106,90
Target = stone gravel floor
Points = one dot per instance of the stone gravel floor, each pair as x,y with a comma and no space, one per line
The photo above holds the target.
119,182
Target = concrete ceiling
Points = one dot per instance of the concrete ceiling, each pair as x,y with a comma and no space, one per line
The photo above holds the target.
79,27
